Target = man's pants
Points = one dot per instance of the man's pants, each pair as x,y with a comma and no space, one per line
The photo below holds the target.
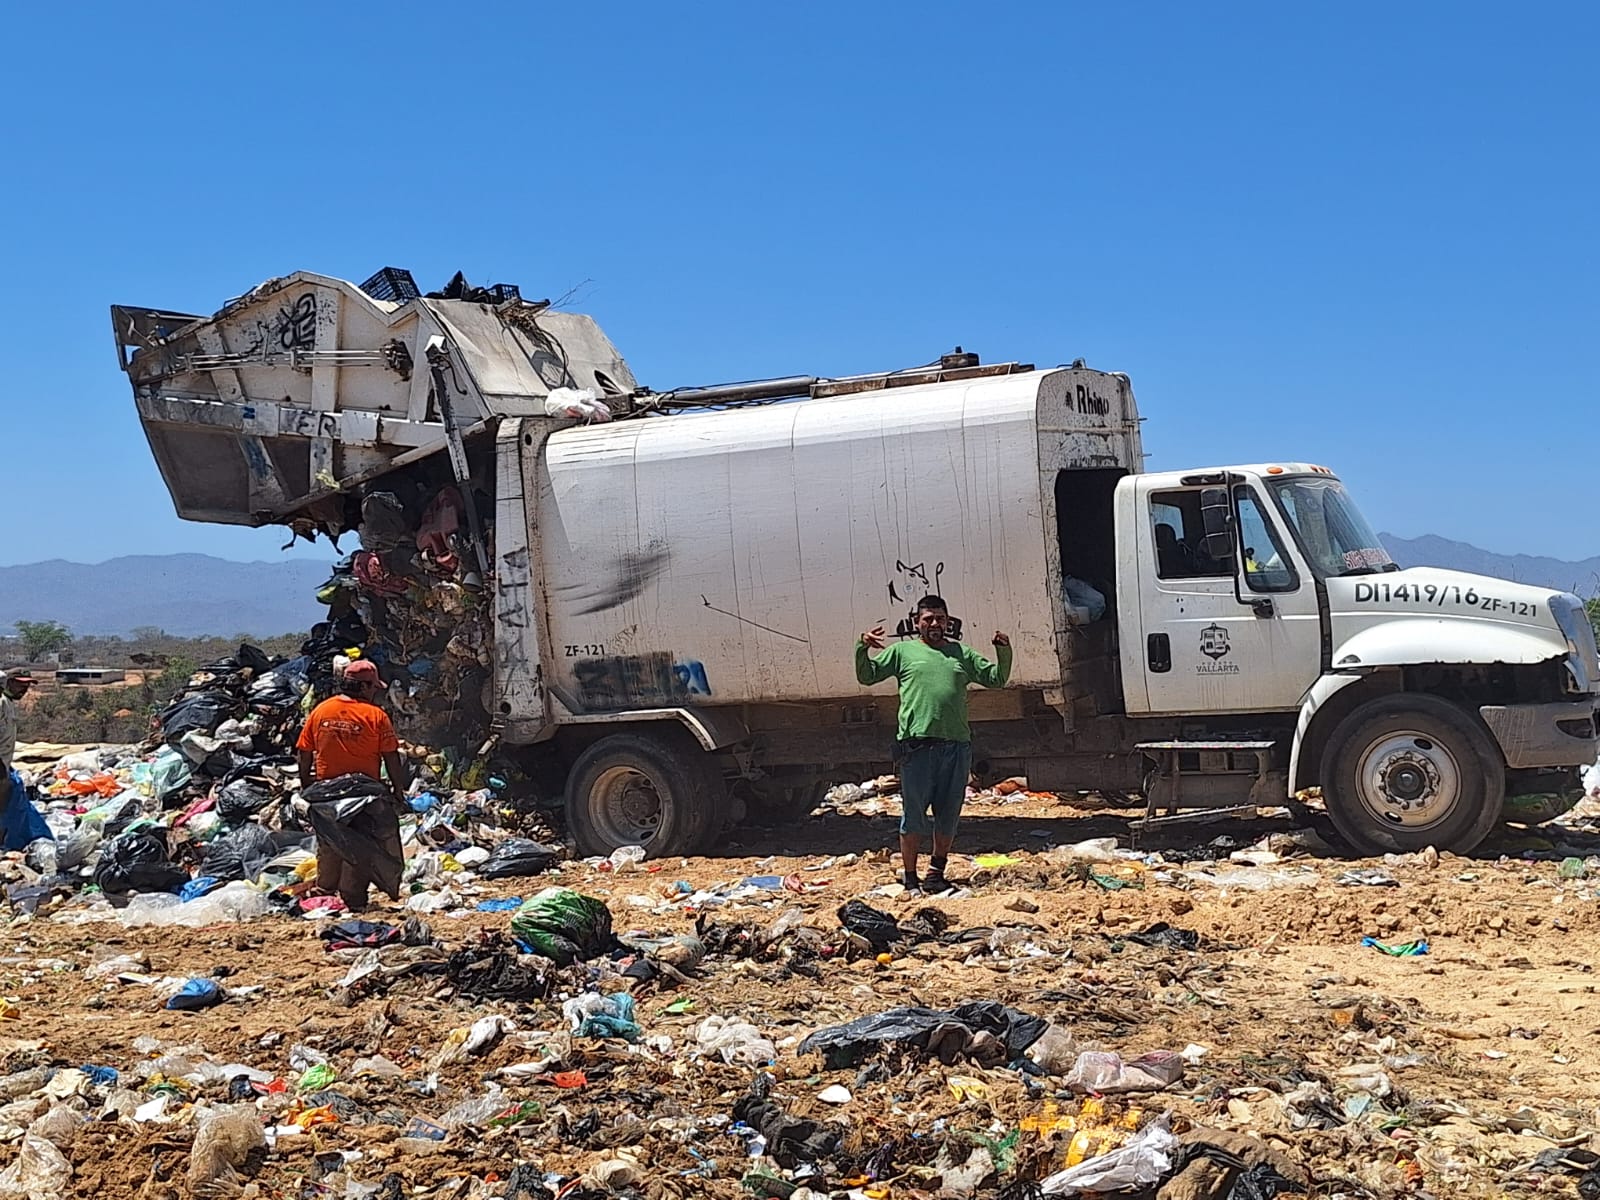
933,776
352,880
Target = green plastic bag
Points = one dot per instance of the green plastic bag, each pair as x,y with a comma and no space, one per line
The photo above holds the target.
563,925
318,1078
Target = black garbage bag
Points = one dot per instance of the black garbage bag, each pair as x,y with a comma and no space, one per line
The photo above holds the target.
986,1028
878,927
493,969
241,799
348,815
253,659
282,688
242,854
1167,936
517,857
137,862
790,1140
198,710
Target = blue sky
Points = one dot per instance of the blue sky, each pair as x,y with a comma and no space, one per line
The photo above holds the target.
1359,234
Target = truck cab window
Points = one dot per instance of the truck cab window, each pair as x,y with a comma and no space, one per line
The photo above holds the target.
1180,538
1266,567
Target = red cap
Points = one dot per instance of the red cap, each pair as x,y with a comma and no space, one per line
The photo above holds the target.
19,676
363,670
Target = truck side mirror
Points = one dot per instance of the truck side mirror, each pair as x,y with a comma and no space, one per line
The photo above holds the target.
1216,517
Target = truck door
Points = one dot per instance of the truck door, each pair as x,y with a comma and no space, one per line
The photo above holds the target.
1221,633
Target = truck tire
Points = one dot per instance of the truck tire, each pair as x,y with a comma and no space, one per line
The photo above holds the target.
1409,771
630,789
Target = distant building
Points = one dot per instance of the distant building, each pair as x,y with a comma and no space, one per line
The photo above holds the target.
66,677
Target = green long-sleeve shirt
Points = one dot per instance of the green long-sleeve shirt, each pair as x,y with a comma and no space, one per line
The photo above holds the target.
933,683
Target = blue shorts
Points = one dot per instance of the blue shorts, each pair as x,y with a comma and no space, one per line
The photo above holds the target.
934,777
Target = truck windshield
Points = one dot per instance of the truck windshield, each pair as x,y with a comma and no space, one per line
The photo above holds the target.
1331,530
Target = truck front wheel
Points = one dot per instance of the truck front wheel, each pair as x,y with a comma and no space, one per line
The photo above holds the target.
1410,771
663,793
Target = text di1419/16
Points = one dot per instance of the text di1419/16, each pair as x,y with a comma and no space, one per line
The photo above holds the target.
1439,595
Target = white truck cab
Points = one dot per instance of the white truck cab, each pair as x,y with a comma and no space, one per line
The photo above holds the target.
1256,589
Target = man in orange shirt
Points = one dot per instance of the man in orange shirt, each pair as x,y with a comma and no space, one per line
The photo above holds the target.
348,734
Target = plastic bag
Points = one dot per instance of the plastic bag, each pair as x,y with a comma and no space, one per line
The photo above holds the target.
476,1112
282,688
383,522
564,925
198,710
137,862
1085,603
20,822
1144,1160
224,1141
242,799
240,855
40,1171
231,903
580,403
1056,1051
170,772
72,852
349,814
1166,936
594,1015
879,929
738,1043
195,995
1104,1072
983,1030
517,857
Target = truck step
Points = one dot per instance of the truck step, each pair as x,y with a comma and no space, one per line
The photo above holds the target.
1181,747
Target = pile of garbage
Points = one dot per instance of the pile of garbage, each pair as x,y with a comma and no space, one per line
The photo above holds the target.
209,819
415,600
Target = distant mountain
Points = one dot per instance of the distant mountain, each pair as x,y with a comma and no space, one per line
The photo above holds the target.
1582,576
189,595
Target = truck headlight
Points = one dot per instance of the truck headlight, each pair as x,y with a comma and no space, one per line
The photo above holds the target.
1583,656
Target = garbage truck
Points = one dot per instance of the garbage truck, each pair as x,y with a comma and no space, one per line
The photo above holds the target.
651,597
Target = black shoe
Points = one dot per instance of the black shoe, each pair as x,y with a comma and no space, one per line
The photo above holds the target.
910,881
934,883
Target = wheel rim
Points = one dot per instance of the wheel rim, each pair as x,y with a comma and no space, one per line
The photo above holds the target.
626,806
1408,779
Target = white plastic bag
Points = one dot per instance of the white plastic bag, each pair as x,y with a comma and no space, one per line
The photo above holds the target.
1104,1072
738,1043
580,403
40,1171
1146,1159
223,1142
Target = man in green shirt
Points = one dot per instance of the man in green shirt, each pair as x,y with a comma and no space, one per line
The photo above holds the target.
935,741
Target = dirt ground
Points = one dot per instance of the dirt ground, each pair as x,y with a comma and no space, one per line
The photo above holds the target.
1373,1075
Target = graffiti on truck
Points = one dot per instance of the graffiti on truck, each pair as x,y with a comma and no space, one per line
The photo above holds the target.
912,582
639,681
624,579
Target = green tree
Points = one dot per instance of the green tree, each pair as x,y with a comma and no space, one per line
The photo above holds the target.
43,637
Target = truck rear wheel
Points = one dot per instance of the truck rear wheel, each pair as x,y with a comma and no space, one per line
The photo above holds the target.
660,792
1409,771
